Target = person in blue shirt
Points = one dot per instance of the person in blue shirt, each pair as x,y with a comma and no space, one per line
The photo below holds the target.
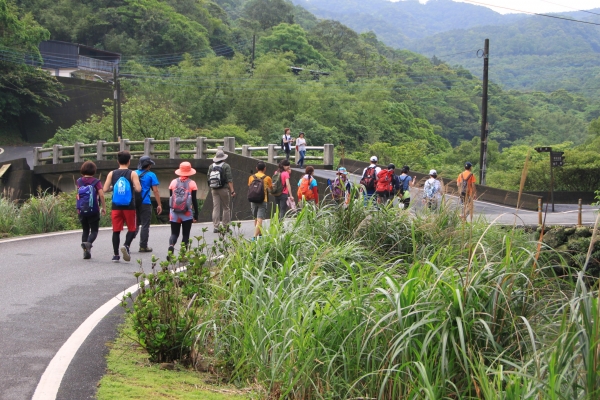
149,182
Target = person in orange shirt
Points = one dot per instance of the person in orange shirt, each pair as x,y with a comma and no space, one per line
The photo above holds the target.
466,188
259,209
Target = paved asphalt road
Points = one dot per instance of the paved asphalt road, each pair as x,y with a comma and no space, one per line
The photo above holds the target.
47,291
8,153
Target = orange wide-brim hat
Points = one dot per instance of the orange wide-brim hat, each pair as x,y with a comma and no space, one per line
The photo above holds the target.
185,169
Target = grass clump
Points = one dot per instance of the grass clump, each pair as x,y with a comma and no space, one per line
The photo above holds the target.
362,303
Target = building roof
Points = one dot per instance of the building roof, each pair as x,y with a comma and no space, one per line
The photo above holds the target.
82,46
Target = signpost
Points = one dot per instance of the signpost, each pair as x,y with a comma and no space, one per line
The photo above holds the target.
557,159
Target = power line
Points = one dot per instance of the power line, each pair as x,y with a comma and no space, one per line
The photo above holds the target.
571,8
533,13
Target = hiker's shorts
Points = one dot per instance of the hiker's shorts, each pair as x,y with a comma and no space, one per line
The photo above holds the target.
259,210
119,217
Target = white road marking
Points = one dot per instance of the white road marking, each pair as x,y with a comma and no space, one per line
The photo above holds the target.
51,379
1,150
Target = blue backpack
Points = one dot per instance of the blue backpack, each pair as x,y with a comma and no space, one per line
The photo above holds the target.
87,198
122,192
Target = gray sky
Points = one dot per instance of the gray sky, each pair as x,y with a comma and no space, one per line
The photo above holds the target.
537,6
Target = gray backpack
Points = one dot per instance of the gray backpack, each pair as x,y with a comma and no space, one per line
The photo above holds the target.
181,200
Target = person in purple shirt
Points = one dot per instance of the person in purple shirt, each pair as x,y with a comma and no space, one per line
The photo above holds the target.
89,195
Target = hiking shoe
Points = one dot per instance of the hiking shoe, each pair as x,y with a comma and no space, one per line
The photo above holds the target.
145,249
125,252
116,259
216,230
86,246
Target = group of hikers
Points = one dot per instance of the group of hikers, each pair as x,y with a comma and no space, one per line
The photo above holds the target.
132,205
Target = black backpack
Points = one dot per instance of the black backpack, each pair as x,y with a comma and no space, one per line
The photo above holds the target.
401,181
256,190
369,178
465,184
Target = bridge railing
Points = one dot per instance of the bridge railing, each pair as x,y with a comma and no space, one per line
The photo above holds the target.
172,148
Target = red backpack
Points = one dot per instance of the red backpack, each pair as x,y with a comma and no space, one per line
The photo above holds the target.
304,190
384,180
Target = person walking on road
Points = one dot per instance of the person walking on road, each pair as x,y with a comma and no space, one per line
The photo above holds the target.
307,187
369,179
466,185
406,182
281,187
123,182
143,204
301,148
183,204
220,181
89,195
385,184
432,190
259,185
341,187
286,142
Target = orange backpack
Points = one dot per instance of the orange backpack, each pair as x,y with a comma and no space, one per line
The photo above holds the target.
304,190
384,181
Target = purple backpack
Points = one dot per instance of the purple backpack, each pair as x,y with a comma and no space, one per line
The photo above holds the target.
87,198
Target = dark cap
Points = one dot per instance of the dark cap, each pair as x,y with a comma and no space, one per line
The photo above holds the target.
391,166
468,165
144,162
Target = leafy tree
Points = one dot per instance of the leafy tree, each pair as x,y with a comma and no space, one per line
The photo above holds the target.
286,37
24,90
337,37
141,118
269,13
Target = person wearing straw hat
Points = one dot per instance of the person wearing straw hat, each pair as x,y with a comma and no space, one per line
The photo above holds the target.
220,181
183,203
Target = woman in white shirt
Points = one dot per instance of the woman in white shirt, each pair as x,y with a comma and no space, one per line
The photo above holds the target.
286,142
301,148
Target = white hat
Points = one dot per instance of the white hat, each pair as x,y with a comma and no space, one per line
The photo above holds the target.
373,159
433,172
220,156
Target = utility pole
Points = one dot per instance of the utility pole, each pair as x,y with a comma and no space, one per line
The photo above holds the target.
253,47
484,122
115,98
119,121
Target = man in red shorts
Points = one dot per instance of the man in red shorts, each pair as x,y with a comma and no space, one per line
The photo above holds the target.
123,182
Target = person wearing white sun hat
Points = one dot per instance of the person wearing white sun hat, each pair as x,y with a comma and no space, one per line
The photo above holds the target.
432,190
220,181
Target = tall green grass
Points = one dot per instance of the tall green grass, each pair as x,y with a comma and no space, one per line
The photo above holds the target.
42,213
362,303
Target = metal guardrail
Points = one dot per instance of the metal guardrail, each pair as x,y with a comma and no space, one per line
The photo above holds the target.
172,148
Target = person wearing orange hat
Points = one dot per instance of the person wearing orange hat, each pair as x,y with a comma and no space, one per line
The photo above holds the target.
183,205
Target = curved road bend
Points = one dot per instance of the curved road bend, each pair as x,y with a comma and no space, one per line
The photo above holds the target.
47,290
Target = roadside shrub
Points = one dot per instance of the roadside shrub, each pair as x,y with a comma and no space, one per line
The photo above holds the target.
41,214
9,217
166,307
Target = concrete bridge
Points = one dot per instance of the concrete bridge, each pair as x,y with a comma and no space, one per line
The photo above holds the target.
59,165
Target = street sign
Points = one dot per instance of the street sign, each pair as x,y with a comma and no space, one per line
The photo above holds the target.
557,158
543,149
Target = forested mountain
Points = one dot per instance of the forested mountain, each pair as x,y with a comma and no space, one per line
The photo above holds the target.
527,52
187,71
397,23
